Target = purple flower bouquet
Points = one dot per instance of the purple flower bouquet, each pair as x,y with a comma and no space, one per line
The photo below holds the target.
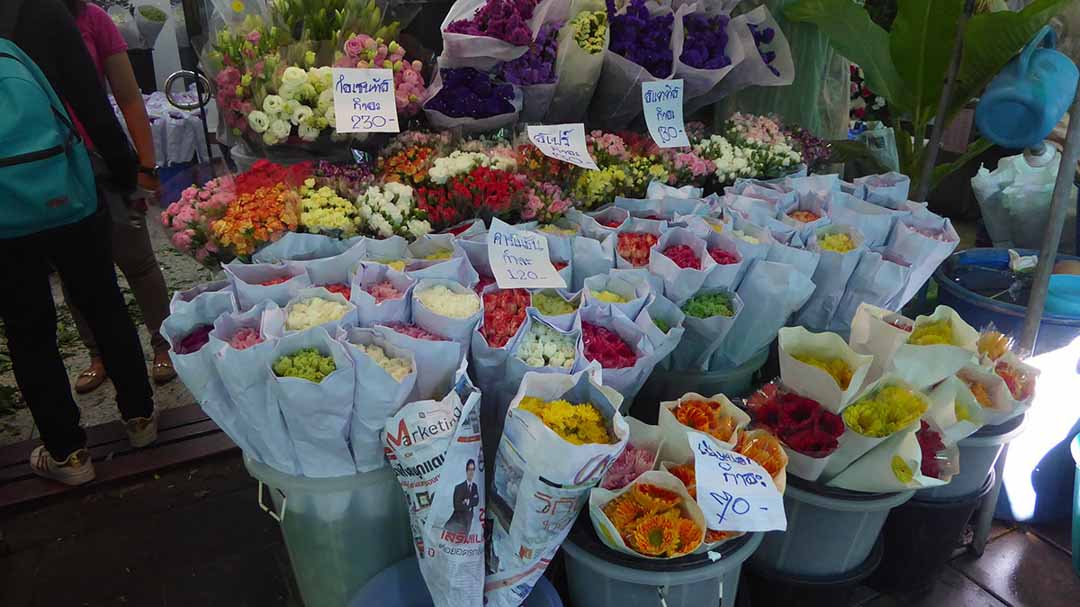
710,51
483,33
642,37
471,99
534,72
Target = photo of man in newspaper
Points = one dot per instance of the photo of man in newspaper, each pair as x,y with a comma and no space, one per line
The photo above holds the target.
466,497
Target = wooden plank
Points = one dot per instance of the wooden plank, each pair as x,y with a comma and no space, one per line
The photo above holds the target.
32,489
121,449
17,453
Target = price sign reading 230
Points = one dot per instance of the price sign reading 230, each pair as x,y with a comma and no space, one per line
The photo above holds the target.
364,101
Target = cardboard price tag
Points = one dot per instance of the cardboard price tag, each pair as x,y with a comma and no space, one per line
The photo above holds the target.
564,142
520,259
364,100
662,102
734,491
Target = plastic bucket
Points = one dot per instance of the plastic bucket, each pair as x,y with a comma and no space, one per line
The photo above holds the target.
1076,506
340,532
830,532
768,587
598,576
1055,331
402,585
978,454
664,385
920,537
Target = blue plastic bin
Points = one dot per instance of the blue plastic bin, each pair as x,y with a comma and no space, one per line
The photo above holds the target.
1055,331
402,585
1076,506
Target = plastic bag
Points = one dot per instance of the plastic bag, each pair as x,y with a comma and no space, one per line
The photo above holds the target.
150,18
881,141
1014,200
576,69
466,124
483,52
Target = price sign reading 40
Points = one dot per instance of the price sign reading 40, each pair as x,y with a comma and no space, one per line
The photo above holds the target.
734,491
364,101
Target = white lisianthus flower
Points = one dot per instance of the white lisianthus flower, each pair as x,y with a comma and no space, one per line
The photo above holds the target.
301,114
331,115
381,226
259,121
273,104
418,227
269,139
293,76
280,128
308,132
326,100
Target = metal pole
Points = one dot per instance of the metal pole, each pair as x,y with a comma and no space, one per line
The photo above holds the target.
1058,207
926,172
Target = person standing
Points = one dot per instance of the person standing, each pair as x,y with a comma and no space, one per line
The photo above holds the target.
51,217
466,498
131,247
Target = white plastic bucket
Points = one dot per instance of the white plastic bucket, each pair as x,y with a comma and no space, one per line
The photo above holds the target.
597,576
340,532
978,454
829,531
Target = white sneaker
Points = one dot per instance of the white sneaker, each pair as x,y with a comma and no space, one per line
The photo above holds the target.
76,470
142,431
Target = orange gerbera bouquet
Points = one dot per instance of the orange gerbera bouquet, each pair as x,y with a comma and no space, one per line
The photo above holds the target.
688,475
654,521
706,416
258,218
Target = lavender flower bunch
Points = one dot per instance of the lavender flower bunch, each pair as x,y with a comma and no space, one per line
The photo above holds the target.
641,37
469,93
348,180
706,39
763,37
537,65
506,20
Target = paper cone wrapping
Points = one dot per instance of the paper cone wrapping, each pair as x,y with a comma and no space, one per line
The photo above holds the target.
705,545
606,530
812,382
804,466
955,410
634,290
872,333
882,469
680,283
642,436
675,446
1004,406
927,365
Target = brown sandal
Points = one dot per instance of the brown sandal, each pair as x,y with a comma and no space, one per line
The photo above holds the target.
92,378
163,371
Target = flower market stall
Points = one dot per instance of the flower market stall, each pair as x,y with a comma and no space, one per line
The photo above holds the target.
528,326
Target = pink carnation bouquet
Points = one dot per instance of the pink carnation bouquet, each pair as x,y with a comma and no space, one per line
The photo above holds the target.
364,51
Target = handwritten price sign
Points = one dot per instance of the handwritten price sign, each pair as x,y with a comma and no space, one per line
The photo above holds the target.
662,101
735,492
520,259
364,101
564,142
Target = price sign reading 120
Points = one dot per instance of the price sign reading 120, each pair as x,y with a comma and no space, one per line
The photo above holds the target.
364,101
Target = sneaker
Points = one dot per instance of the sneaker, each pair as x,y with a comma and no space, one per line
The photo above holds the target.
142,431
76,470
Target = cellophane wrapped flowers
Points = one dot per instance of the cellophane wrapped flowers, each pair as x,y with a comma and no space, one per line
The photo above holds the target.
259,218
764,448
194,340
469,93
651,521
606,347
398,368
550,303
635,247
537,65
706,416
707,305
306,364
504,311
578,424
884,412
706,39
993,344
641,37
542,346
189,219
312,312
630,464
364,51
414,331
802,423
391,209
451,304
1021,384
589,29
506,20
244,338
322,211
763,37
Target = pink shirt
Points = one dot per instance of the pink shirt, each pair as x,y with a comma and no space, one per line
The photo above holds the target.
100,34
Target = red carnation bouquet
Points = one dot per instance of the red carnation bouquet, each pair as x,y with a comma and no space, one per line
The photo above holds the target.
801,423
504,311
683,256
606,347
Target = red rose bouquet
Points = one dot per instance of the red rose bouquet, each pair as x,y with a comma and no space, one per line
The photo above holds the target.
482,192
504,311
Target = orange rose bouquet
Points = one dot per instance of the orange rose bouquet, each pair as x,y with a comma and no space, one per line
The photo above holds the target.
258,218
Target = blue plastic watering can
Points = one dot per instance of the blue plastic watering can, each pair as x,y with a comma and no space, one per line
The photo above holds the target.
1023,103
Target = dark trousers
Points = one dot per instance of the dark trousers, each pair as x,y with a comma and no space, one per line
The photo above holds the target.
81,253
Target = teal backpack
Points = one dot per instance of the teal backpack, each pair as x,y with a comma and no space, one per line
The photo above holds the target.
46,179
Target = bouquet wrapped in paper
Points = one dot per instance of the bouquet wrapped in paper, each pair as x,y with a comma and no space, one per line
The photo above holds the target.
579,59
710,315
938,346
276,282
683,261
880,278
840,248
808,431
640,455
822,367
219,289
715,416
903,461
625,291
481,33
187,331
619,346
296,246
878,333
687,473
711,49
535,498
381,295
433,446
653,518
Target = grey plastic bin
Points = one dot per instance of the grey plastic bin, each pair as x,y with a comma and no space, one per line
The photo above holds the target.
829,531
340,532
978,454
598,576
664,385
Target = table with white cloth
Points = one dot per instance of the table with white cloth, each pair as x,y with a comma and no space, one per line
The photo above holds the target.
178,134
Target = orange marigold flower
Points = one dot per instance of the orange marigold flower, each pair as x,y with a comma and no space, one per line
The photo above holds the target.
653,498
654,536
